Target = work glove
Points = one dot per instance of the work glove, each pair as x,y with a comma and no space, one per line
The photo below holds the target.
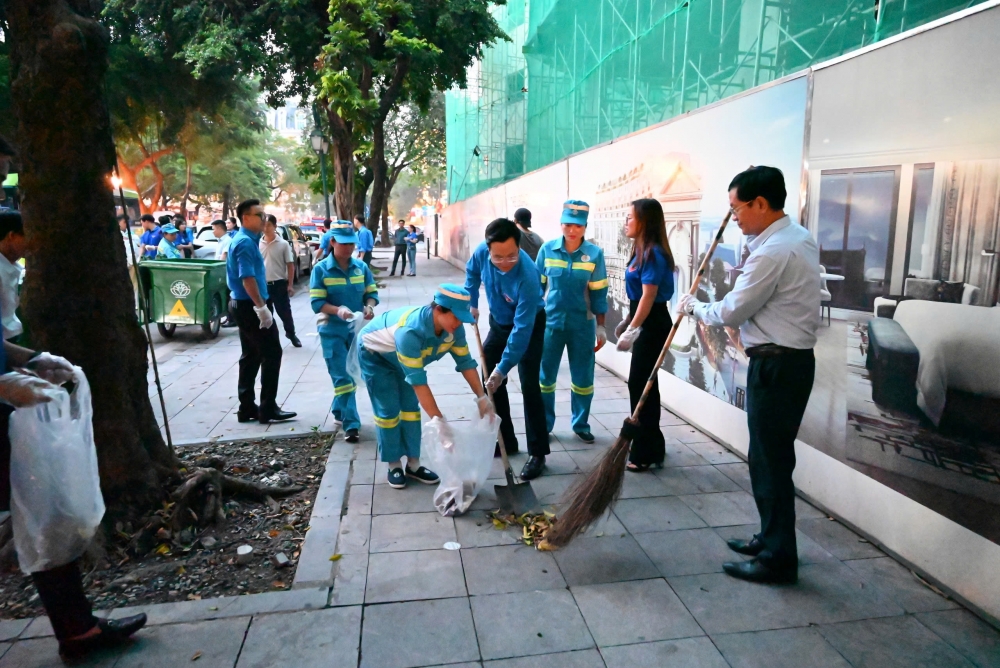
620,329
686,305
628,338
602,337
369,312
445,433
21,390
495,380
55,369
345,314
322,319
475,314
264,315
486,408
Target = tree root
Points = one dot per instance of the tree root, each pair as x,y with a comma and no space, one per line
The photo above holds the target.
255,490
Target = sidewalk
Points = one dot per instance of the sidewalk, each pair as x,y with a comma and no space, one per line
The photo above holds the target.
643,588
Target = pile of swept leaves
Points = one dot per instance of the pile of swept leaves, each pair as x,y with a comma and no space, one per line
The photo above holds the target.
533,527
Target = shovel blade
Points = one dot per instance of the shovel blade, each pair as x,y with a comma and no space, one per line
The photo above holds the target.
517,499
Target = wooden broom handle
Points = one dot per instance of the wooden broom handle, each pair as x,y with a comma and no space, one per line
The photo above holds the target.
680,316
482,362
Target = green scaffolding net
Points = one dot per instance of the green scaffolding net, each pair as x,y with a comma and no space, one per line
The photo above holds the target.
577,73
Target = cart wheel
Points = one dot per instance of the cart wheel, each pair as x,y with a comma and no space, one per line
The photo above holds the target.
166,330
211,328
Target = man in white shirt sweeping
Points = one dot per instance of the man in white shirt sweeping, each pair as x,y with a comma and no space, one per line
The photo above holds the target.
775,303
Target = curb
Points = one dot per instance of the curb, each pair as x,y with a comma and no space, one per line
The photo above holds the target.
315,568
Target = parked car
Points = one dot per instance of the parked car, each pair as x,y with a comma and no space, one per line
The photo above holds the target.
205,244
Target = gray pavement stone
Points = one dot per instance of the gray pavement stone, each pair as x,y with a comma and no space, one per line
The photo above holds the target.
605,559
641,485
44,653
825,594
623,613
665,513
4,646
315,568
686,653
416,498
330,495
687,552
350,577
678,454
525,623
326,638
685,433
714,452
902,586
418,633
510,568
584,658
412,531
277,601
355,534
359,499
886,643
695,480
738,473
723,508
785,648
363,472
180,611
12,628
838,540
810,551
475,529
410,576
39,627
975,639
171,645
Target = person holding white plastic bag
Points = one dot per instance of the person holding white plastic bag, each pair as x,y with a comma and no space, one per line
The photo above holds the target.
393,350
28,379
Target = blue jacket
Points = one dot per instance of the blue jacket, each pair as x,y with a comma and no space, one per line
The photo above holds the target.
577,282
404,337
151,238
515,298
366,241
329,284
244,261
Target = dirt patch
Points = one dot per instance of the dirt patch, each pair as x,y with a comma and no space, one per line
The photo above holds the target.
192,564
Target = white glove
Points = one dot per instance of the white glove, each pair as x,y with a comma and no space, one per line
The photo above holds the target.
21,390
369,312
264,315
620,329
495,380
602,337
475,314
345,313
687,304
322,319
444,431
627,338
486,407
52,368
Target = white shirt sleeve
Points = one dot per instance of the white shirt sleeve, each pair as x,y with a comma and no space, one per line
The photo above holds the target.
223,248
752,290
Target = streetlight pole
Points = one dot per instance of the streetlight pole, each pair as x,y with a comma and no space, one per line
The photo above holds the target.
322,147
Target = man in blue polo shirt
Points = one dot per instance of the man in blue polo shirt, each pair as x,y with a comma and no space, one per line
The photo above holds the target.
258,333
517,333
150,239
366,240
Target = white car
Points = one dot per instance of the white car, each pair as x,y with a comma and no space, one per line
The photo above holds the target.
205,244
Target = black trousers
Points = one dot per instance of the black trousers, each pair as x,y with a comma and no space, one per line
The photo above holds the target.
277,292
528,371
261,352
367,258
778,389
649,446
399,253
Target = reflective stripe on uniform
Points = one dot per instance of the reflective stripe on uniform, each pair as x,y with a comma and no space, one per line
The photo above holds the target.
598,285
410,416
548,389
545,279
552,262
357,279
387,423
371,288
344,389
581,390
586,266
334,281
412,362
460,350
317,292
445,347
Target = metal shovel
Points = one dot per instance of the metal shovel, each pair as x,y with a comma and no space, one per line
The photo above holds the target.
515,497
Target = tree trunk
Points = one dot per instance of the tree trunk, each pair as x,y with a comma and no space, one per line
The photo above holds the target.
379,174
227,194
362,183
58,63
187,187
342,148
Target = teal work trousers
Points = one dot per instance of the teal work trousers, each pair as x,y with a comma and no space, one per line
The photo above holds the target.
578,338
345,406
397,411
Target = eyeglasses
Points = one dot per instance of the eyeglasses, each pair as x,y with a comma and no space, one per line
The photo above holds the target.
510,259
736,211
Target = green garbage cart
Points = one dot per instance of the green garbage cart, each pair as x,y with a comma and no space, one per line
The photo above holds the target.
185,292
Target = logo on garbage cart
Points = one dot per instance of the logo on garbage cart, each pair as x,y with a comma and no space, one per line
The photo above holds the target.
180,289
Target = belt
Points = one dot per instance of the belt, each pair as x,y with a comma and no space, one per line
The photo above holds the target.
280,280
773,350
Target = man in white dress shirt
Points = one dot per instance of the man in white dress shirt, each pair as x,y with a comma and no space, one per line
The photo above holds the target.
11,251
775,303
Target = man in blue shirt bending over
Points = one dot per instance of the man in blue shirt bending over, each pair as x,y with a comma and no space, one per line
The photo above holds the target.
258,333
517,333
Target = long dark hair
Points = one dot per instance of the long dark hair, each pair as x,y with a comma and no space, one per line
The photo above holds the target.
652,231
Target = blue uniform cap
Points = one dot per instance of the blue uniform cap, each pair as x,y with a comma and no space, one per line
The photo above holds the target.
343,232
455,298
169,229
575,212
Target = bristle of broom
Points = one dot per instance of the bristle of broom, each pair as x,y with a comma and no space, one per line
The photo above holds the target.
590,498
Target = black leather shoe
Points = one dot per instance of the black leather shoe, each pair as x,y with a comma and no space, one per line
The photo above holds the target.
275,415
295,341
755,571
751,547
533,467
511,450
229,323
247,416
352,436
113,632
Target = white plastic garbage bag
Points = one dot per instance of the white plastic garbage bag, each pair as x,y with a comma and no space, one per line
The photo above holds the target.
353,364
56,501
464,463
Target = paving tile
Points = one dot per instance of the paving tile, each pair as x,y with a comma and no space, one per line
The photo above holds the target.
350,576
785,648
510,568
622,613
715,453
180,611
44,653
172,645
604,559
686,653
885,643
738,473
4,646
363,472
810,551
686,552
411,576
838,540
525,623
359,499
328,638
12,628
584,658
416,498
314,568
277,601
418,633
975,639
412,531
355,534
641,485
678,454
825,594
39,627
475,529
695,480
664,513
723,508
900,584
